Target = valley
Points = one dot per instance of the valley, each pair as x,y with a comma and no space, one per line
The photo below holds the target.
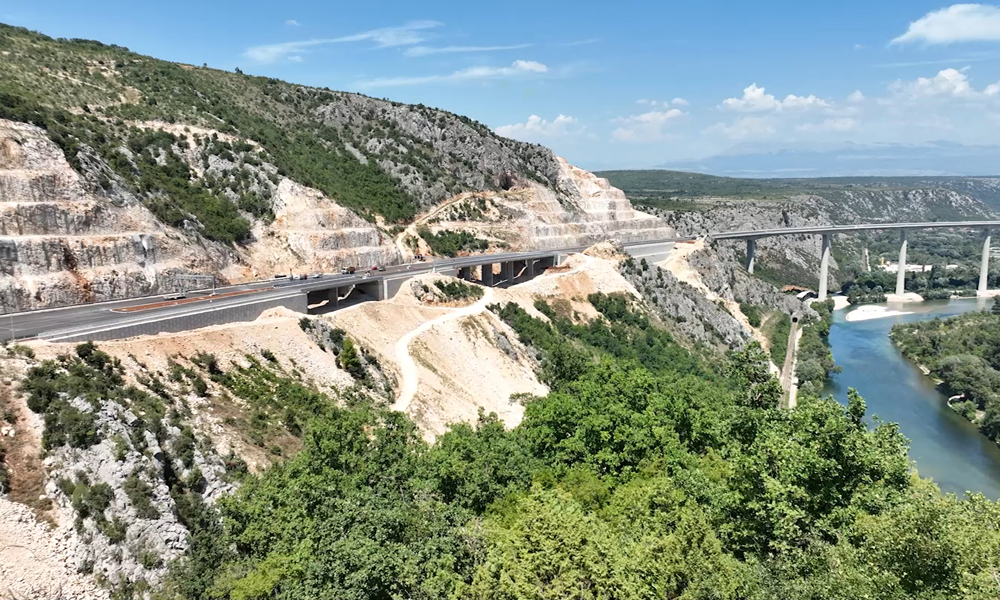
270,340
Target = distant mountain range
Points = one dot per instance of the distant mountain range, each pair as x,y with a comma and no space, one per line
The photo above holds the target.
848,159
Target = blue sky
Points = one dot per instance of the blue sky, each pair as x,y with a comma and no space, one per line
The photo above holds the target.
625,84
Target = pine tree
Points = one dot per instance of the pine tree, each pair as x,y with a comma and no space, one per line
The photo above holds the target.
349,360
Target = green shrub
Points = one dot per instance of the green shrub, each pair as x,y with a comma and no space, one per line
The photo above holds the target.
752,313
22,350
139,493
450,243
350,361
200,387
183,447
779,329
966,408
115,530
458,290
91,500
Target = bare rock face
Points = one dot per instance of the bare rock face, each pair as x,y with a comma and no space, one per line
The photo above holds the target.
414,143
147,538
61,244
697,316
796,256
583,209
312,231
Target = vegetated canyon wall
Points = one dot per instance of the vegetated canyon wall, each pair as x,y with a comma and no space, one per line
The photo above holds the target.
795,259
157,429
244,177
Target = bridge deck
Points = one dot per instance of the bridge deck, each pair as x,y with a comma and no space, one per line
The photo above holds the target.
821,229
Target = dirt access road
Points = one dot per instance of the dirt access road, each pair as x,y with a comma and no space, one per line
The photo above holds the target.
408,368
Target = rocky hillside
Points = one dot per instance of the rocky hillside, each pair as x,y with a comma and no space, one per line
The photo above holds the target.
121,174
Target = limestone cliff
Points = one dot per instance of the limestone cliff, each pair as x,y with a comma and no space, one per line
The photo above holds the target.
581,210
62,242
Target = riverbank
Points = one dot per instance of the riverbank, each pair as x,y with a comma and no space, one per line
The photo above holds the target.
873,311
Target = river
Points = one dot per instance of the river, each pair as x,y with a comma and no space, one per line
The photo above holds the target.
944,446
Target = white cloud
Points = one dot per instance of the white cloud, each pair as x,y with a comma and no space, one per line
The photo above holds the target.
859,46
940,61
537,129
855,97
386,37
518,68
679,102
529,65
292,23
427,50
956,23
992,89
647,127
810,101
838,125
948,82
756,99
295,58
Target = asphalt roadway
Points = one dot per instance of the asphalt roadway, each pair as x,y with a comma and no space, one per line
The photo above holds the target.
53,322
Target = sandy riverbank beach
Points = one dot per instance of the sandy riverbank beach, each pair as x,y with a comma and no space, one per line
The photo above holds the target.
871,311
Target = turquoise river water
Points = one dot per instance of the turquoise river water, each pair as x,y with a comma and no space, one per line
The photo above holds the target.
944,446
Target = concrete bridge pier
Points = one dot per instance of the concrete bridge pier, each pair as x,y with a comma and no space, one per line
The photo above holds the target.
486,274
901,275
507,272
824,266
751,254
984,268
465,273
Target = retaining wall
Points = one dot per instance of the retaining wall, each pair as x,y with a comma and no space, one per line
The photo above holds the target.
185,322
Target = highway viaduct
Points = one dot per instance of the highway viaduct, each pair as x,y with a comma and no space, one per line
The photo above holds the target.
156,314
151,314
827,234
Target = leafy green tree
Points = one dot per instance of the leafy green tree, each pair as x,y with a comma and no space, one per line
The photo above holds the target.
350,361
749,368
